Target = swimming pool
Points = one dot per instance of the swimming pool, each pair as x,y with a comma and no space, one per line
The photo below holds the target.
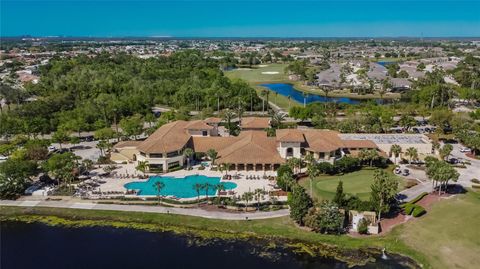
179,187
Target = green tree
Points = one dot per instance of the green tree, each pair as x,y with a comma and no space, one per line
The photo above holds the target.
212,155
158,186
445,151
188,153
198,187
62,167
132,126
395,150
339,198
299,203
247,196
383,191
142,166
412,154
61,136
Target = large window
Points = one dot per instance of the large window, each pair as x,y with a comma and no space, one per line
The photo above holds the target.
172,154
156,155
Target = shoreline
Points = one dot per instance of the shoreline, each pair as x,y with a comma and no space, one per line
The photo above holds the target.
278,230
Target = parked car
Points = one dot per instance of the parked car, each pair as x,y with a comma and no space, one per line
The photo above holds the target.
3,158
406,172
51,148
453,161
397,170
465,149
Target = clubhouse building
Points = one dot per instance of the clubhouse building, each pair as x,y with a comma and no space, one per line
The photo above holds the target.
252,150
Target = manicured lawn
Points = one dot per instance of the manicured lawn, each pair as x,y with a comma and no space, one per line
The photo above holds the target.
449,234
254,75
357,183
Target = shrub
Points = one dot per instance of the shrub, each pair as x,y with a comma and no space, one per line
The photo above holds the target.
418,211
474,180
408,209
347,164
325,168
362,226
284,169
419,197
475,186
201,168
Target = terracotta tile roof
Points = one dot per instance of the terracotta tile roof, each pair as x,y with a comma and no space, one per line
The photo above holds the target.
204,143
290,135
198,125
255,123
213,120
127,144
252,147
170,137
322,140
359,144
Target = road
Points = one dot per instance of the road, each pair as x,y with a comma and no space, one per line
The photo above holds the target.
425,185
196,212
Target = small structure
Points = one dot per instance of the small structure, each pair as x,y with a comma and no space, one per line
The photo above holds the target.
354,218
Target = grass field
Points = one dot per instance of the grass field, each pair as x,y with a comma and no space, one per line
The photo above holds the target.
357,183
254,75
449,234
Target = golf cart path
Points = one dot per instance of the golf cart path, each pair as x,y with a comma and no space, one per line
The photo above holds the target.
196,212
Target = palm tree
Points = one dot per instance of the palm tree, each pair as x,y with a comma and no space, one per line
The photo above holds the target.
395,150
142,166
264,92
212,155
207,187
198,187
312,170
227,167
259,196
247,196
188,152
228,115
412,153
277,119
158,187
220,187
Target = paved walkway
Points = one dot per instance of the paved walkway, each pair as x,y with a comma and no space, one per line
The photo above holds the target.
197,212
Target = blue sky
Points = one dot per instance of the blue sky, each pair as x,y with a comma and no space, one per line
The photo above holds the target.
241,18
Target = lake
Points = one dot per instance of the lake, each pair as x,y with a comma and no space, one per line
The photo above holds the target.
40,246
288,90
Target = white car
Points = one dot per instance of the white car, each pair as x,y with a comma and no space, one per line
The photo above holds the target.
465,149
52,148
3,158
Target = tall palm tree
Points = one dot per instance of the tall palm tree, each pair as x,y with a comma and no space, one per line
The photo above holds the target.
312,170
198,187
412,153
207,186
188,153
277,119
212,155
247,196
142,166
259,194
228,116
158,188
395,150
220,187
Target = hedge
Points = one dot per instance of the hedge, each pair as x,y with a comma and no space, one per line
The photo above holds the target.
418,211
418,198
408,208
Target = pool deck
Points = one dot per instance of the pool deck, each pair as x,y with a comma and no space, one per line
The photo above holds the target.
115,183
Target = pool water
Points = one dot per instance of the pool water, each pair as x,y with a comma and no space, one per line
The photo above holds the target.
179,187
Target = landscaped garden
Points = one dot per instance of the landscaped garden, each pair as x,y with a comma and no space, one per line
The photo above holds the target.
356,183
260,74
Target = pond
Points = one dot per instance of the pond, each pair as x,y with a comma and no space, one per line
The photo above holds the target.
286,90
35,245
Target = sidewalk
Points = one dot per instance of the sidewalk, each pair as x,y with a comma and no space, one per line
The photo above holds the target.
196,212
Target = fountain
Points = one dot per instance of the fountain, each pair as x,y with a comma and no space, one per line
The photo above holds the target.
384,256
